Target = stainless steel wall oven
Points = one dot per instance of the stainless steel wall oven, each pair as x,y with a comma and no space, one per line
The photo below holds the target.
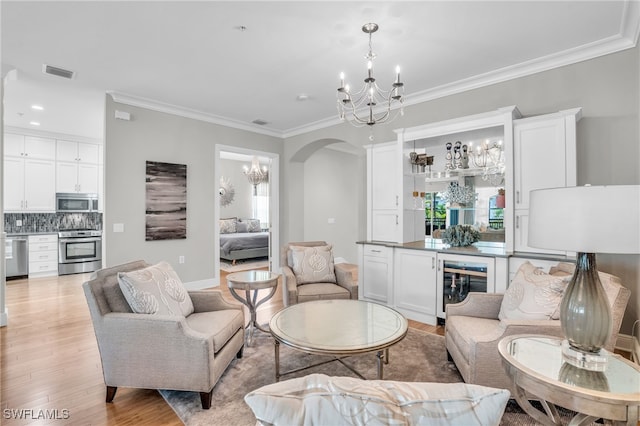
79,251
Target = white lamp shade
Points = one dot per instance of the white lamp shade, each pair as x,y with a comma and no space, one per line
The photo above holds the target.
588,219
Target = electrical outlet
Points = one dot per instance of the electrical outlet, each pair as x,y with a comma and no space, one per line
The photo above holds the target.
181,259
18,222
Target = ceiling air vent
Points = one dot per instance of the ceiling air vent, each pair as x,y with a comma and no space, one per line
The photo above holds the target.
60,72
260,122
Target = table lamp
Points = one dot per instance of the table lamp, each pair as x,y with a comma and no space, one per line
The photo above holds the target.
586,220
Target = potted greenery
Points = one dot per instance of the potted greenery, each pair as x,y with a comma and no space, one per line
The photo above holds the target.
460,235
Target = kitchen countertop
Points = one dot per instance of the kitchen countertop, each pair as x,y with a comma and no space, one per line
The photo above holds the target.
486,249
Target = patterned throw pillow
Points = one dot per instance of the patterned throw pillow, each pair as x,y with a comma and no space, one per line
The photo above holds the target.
227,226
313,264
533,295
323,400
155,290
254,225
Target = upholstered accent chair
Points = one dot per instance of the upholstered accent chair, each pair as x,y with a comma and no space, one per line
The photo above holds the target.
473,329
298,290
162,351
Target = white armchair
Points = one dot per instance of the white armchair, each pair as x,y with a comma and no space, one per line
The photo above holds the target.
162,351
473,330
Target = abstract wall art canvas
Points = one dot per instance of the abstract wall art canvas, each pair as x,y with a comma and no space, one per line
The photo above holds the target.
166,197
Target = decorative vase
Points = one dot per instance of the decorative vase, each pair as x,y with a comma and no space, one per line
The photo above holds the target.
585,315
500,201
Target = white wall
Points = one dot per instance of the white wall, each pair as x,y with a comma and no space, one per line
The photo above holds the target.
331,179
156,136
241,205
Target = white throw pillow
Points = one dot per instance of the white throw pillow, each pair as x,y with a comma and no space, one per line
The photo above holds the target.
156,290
533,295
228,226
313,264
318,399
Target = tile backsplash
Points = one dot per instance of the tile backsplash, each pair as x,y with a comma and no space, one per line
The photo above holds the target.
50,222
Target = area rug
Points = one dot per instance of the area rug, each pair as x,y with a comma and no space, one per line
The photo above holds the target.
244,265
419,357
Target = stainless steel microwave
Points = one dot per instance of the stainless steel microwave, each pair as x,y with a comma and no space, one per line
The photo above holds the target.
76,202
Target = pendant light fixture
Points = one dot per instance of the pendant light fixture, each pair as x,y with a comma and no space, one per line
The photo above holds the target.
360,107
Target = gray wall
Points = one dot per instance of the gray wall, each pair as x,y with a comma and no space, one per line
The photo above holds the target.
241,205
607,88
331,180
156,136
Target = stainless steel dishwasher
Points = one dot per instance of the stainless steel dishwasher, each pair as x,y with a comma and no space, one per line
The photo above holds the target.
16,253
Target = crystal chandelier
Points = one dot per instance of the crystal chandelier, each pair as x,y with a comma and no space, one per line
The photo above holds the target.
256,175
365,100
490,158
456,194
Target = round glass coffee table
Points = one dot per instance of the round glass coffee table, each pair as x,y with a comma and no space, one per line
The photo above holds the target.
338,328
252,281
539,370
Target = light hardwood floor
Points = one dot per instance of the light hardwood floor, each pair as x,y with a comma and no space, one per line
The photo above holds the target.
50,361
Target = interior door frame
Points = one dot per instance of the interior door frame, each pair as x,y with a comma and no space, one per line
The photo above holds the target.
274,204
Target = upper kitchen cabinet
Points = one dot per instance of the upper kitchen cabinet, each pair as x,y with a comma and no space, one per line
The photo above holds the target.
29,174
77,167
459,171
29,147
544,157
383,192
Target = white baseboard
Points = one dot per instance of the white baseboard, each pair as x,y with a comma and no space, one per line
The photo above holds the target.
201,284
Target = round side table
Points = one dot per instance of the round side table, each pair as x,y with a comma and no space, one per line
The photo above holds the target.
252,281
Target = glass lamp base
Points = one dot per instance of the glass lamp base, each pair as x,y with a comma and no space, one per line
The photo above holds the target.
596,361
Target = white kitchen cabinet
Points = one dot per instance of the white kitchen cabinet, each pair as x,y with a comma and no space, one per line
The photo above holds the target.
376,278
77,167
29,185
383,192
77,151
544,157
415,284
43,255
77,177
29,146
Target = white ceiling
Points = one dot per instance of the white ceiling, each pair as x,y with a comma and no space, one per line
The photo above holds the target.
191,58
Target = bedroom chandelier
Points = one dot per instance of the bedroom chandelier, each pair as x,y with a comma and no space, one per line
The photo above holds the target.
360,105
256,175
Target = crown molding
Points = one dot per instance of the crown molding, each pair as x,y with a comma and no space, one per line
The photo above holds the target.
51,135
557,60
136,101
627,38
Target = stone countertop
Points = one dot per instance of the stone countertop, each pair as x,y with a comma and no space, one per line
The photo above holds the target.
23,234
482,249
486,249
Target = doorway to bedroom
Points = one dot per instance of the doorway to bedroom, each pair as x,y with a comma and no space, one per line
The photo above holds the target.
246,214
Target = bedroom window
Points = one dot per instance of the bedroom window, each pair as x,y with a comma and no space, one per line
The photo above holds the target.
260,204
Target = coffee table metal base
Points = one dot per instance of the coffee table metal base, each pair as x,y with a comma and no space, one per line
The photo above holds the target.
382,357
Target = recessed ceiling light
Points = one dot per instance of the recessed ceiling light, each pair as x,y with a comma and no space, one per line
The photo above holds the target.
302,97
37,107
34,123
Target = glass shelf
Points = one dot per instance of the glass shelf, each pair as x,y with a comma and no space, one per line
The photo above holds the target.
448,175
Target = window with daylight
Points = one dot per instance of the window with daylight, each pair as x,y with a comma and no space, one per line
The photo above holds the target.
260,204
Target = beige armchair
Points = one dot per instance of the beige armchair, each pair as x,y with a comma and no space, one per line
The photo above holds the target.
473,330
162,351
344,288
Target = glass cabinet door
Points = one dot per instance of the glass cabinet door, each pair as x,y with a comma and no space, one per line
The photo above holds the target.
458,275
